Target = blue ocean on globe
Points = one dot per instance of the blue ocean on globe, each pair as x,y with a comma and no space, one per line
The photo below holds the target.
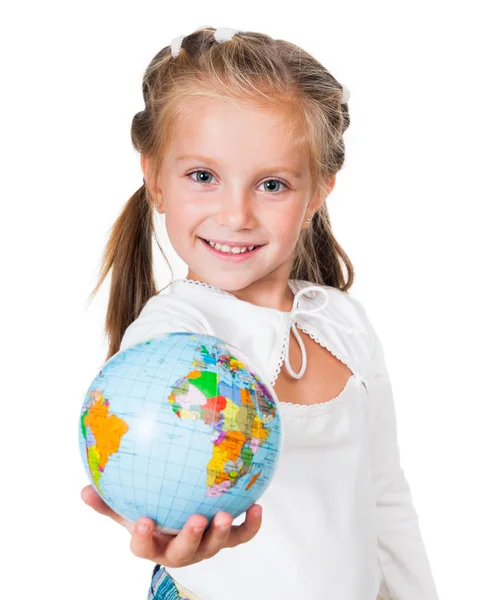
179,424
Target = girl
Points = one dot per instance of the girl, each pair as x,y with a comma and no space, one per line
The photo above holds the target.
240,143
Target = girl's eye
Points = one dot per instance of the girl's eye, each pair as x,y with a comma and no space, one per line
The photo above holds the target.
276,181
199,171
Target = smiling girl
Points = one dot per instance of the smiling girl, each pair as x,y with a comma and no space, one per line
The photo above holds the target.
241,140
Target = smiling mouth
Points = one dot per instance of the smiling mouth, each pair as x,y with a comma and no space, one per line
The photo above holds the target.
234,250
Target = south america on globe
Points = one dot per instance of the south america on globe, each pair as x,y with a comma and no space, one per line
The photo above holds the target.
179,424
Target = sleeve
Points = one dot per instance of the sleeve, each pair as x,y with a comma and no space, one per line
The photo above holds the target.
402,555
164,314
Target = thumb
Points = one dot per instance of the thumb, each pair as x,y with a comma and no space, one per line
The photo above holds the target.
94,500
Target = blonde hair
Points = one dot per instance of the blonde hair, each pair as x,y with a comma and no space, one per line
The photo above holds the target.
251,67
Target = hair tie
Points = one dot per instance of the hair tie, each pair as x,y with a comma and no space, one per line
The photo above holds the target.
346,94
224,34
176,45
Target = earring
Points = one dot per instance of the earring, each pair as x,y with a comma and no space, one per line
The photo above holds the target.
157,204
307,221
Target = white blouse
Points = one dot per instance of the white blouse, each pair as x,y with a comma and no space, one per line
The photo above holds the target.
338,519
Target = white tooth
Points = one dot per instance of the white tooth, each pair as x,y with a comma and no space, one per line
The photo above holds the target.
230,249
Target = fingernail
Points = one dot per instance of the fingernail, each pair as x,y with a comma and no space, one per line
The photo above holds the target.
257,511
143,528
224,527
197,529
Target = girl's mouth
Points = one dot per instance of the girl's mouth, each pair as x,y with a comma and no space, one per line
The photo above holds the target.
229,256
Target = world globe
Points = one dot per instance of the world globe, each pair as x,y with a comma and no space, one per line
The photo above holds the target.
178,424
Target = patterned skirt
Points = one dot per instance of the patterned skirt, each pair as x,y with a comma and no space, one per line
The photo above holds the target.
163,587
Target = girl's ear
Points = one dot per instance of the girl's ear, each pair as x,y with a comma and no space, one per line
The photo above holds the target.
329,188
144,166
331,185
152,185
321,195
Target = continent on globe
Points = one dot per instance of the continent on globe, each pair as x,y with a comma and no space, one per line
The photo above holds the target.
237,429
102,432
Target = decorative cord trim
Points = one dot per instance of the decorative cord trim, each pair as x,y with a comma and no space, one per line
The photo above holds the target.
281,361
316,339
281,358
318,404
363,380
208,285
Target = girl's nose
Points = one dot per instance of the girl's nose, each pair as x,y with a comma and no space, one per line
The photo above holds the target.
236,211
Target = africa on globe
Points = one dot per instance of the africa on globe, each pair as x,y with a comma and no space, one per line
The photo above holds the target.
178,424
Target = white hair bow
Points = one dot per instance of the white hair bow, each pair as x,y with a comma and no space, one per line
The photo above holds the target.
176,45
346,94
224,34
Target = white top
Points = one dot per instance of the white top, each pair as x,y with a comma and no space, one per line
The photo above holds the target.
338,518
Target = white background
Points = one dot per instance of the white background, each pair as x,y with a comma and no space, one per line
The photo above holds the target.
416,207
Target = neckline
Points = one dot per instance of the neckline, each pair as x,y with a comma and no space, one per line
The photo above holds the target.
299,289
295,285
292,409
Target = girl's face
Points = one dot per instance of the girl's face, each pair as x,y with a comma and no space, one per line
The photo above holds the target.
229,176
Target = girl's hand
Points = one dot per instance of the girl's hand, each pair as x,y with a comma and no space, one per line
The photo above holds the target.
191,544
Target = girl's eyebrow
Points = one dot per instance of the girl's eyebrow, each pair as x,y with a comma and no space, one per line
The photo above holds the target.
208,160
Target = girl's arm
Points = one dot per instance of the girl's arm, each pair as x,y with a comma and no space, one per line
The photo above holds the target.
401,552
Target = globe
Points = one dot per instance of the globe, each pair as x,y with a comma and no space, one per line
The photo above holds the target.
178,424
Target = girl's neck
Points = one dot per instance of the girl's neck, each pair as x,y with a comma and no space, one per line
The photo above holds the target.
262,293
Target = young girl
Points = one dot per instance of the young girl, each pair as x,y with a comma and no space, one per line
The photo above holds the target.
240,143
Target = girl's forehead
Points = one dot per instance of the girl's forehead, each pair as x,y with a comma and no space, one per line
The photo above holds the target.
216,122
209,108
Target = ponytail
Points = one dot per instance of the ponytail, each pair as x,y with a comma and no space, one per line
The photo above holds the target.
319,258
129,252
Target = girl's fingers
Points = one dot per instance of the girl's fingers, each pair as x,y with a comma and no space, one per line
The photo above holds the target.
92,499
216,537
143,543
247,530
184,545
190,545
